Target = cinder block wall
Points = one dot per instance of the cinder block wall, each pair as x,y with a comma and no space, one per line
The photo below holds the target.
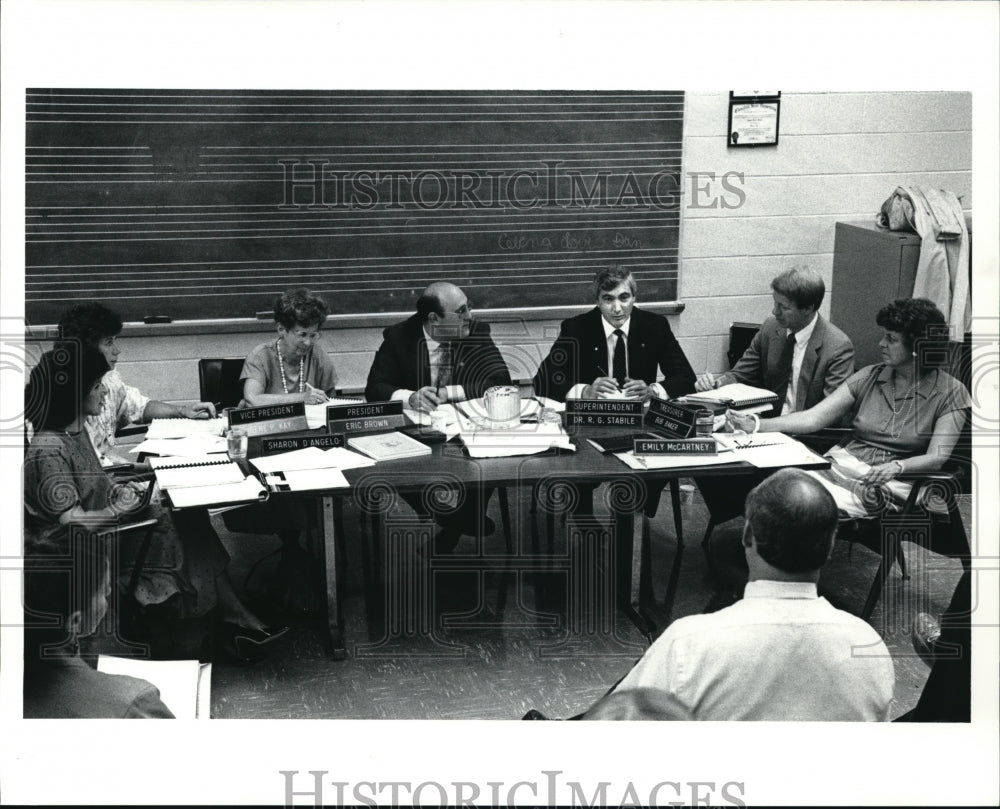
839,156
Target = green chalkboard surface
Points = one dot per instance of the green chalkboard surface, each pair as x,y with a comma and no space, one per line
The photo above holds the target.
201,204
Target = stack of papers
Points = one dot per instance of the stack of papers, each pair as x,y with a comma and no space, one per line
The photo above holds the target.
309,469
525,439
193,445
184,428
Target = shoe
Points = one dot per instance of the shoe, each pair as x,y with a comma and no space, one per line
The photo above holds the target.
246,645
925,635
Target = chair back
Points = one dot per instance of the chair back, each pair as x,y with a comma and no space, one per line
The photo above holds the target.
219,381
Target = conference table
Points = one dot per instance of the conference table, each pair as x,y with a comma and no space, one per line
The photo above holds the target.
632,497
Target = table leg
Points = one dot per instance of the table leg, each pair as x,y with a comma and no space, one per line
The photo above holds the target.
328,548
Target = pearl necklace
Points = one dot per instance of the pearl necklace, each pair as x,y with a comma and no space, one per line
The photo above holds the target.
904,409
281,365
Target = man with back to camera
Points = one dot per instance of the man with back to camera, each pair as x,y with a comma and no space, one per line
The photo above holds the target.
797,353
614,349
440,354
783,652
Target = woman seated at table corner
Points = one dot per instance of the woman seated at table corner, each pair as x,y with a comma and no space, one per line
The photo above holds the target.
93,324
905,415
58,683
291,368
184,573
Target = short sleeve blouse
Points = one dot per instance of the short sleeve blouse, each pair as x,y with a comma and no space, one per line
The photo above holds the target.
262,364
901,420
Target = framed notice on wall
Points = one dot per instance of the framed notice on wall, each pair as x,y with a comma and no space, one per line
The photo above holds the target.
753,118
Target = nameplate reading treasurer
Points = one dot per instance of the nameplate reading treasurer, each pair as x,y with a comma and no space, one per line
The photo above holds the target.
603,413
373,417
671,420
675,446
270,419
270,446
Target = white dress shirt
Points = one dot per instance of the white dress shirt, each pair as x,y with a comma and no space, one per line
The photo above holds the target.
801,341
576,392
455,393
782,653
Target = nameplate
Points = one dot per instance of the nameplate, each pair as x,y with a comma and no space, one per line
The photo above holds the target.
372,417
270,419
671,420
270,446
674,446
603,413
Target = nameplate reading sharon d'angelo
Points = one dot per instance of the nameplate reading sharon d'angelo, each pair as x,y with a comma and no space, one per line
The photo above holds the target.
604,413
671,420
270,419
675,446
373,417
270,446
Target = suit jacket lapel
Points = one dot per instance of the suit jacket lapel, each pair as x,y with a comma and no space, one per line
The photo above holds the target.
597,346
809,360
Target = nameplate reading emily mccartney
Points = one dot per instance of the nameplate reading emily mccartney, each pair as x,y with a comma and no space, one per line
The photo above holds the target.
603,413
675,446
270,419
373,417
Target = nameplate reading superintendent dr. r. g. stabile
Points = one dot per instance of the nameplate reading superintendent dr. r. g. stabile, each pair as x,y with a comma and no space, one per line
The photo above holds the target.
604,413
374,417
270,419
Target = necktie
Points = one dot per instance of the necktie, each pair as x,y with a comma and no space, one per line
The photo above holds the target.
444,368
784,372
619,368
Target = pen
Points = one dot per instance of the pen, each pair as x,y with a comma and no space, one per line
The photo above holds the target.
605,373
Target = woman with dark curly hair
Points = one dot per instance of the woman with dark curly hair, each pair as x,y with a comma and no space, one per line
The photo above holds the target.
184,573
95,325
906,414
290,368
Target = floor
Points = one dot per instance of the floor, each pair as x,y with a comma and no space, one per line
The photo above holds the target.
492,635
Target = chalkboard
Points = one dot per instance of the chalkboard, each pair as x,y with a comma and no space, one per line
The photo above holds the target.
204,204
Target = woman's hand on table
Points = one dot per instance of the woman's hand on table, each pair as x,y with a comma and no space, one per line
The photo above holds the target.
740,422
315,395
198,410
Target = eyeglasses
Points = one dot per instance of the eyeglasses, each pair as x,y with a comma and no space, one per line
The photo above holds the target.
465,309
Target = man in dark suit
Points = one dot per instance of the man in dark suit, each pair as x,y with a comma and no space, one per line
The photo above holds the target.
439,355
797,353
614,349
